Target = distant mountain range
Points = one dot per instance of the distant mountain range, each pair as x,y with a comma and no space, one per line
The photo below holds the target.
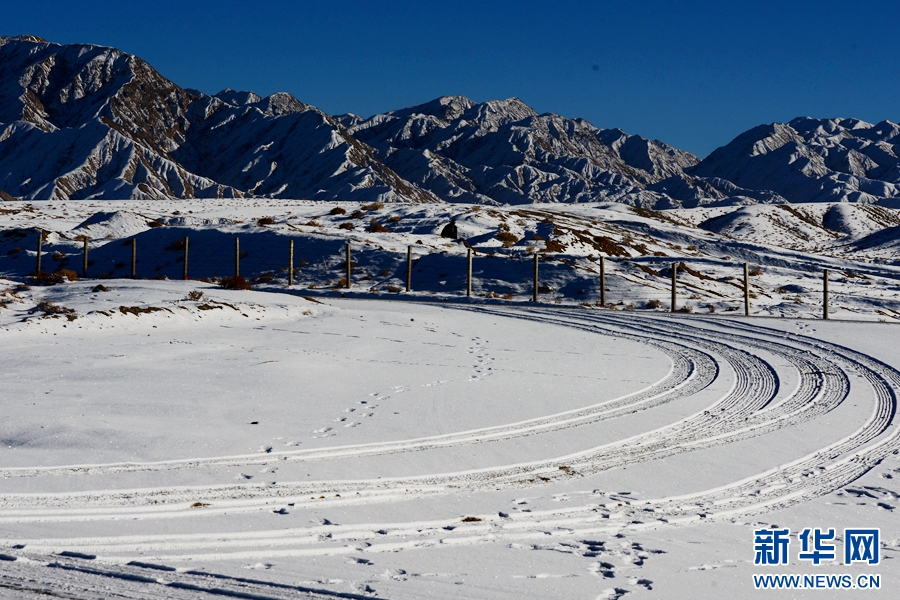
85,121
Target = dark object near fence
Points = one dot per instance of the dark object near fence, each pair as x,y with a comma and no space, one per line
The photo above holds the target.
450,230
235,282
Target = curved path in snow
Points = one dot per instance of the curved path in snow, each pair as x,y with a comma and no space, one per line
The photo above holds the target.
751,363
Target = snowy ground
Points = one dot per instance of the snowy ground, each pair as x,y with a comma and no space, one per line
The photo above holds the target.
163,444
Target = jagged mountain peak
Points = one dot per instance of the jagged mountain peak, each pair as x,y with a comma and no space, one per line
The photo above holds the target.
237,98
23,38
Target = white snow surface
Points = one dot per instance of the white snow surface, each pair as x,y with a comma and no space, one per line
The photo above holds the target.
270,445
173,439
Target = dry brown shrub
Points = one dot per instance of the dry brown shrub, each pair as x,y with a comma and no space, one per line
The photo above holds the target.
265,221
347,226
139,310
508,238
609,247
373,206
394,219
755,272
357,214
376,227
51,308
58,276
235,282
554,246
337,210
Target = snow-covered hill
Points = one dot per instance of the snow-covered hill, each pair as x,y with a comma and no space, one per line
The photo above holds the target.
786,246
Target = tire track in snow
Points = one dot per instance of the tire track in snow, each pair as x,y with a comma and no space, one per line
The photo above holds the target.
690,372
815,474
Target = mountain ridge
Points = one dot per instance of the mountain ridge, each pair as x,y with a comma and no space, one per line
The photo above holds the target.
88,121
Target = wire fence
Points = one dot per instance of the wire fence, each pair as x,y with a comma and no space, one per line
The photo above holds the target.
266,258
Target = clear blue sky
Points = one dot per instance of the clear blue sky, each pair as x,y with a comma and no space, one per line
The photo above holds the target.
693,74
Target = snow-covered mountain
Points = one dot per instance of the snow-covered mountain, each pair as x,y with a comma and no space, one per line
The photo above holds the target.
503,152
813,160
85,121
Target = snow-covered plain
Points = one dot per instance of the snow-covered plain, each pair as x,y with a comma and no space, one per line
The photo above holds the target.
172,439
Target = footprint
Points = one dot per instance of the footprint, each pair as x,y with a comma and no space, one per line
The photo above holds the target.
612,594
644,582
603,569
323,430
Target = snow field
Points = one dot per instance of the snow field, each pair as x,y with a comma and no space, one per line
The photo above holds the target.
405,449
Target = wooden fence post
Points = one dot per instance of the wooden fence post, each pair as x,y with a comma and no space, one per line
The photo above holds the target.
535,294
134,258
40,244
603,280
237,257
469,273
348,265
185,258
746,290
84,265
291,265
825,294
674,283
409,268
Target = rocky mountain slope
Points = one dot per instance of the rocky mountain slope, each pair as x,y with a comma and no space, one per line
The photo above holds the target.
813,160
85,121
